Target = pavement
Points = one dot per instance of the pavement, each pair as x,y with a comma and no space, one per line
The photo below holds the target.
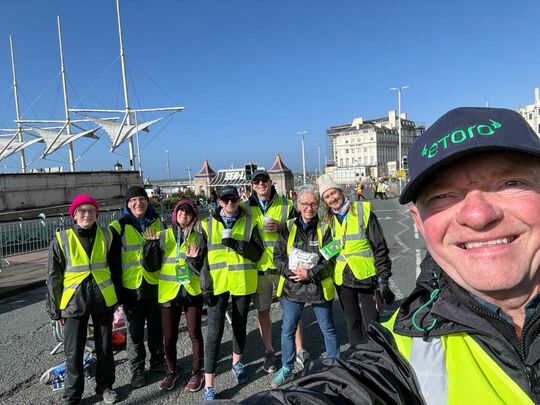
22,273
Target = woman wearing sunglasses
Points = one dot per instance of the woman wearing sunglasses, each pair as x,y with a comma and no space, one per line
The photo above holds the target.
234,247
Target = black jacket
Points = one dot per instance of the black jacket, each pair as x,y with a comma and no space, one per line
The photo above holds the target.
383,263
87,299
153,255
145,290
251,250
306,240
375,372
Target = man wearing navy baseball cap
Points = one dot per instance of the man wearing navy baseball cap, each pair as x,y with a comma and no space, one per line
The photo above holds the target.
470,330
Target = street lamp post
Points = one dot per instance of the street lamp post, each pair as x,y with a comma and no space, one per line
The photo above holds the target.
168,167
398,89
302,133
319,156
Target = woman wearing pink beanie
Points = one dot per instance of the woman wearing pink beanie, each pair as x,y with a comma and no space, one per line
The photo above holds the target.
79,285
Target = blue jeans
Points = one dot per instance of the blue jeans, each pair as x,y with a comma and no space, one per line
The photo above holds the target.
292,312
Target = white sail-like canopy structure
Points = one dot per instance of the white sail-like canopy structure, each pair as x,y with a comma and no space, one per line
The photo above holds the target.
11,145
55,138
119,132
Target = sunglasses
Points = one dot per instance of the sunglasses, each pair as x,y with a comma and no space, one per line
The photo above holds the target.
259,181
227,200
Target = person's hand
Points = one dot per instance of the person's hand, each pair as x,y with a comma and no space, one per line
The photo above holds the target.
382,286
229,242
61,321
209,299
192,250
150,234
271,225
299,274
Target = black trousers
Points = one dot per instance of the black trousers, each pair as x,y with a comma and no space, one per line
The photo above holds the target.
216,324
137,313
359,308
75,331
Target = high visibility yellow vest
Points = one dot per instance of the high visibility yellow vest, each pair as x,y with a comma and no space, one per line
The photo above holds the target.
79,266
229,270
326,281
133,270
168,287
356,250
279,210
454,370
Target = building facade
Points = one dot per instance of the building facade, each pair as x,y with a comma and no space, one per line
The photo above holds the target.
366,149
531,112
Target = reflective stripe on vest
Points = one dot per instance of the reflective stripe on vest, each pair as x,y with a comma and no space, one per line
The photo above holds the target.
279,210
454,369
79,266
356,251
230,271
133,270
168,286
327,283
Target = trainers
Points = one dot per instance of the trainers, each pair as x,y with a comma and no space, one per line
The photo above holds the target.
302,358
239,373
270,362
284,375
168,382
137,379
209,394
195,383
109,396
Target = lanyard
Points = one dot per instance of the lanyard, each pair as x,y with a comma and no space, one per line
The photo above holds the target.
263,205
178,244
344,226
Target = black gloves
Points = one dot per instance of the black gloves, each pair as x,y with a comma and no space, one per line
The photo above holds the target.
381,285
209,299
229,242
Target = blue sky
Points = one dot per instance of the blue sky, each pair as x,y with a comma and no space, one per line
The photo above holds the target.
251,74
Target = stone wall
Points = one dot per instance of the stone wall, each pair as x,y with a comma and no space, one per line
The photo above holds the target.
28,191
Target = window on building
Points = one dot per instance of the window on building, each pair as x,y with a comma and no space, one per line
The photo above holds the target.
530,116
346,150
347,162
539,111
341,162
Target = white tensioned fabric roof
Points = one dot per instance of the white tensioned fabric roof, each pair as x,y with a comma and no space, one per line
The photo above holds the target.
10,146
118,132
55,139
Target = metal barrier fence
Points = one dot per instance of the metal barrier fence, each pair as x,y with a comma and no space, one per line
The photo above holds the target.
25,236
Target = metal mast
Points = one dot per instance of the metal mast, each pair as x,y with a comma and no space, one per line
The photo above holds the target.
64,85
124,82
17,110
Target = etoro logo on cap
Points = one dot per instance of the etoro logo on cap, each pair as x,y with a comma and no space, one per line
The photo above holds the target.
460,135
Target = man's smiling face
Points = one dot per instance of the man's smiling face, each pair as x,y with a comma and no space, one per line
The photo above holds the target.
480,217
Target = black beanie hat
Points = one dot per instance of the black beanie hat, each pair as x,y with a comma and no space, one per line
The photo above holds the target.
136,191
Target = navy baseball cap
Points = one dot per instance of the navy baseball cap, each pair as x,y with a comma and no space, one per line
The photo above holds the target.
228,191
464,131
260,172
